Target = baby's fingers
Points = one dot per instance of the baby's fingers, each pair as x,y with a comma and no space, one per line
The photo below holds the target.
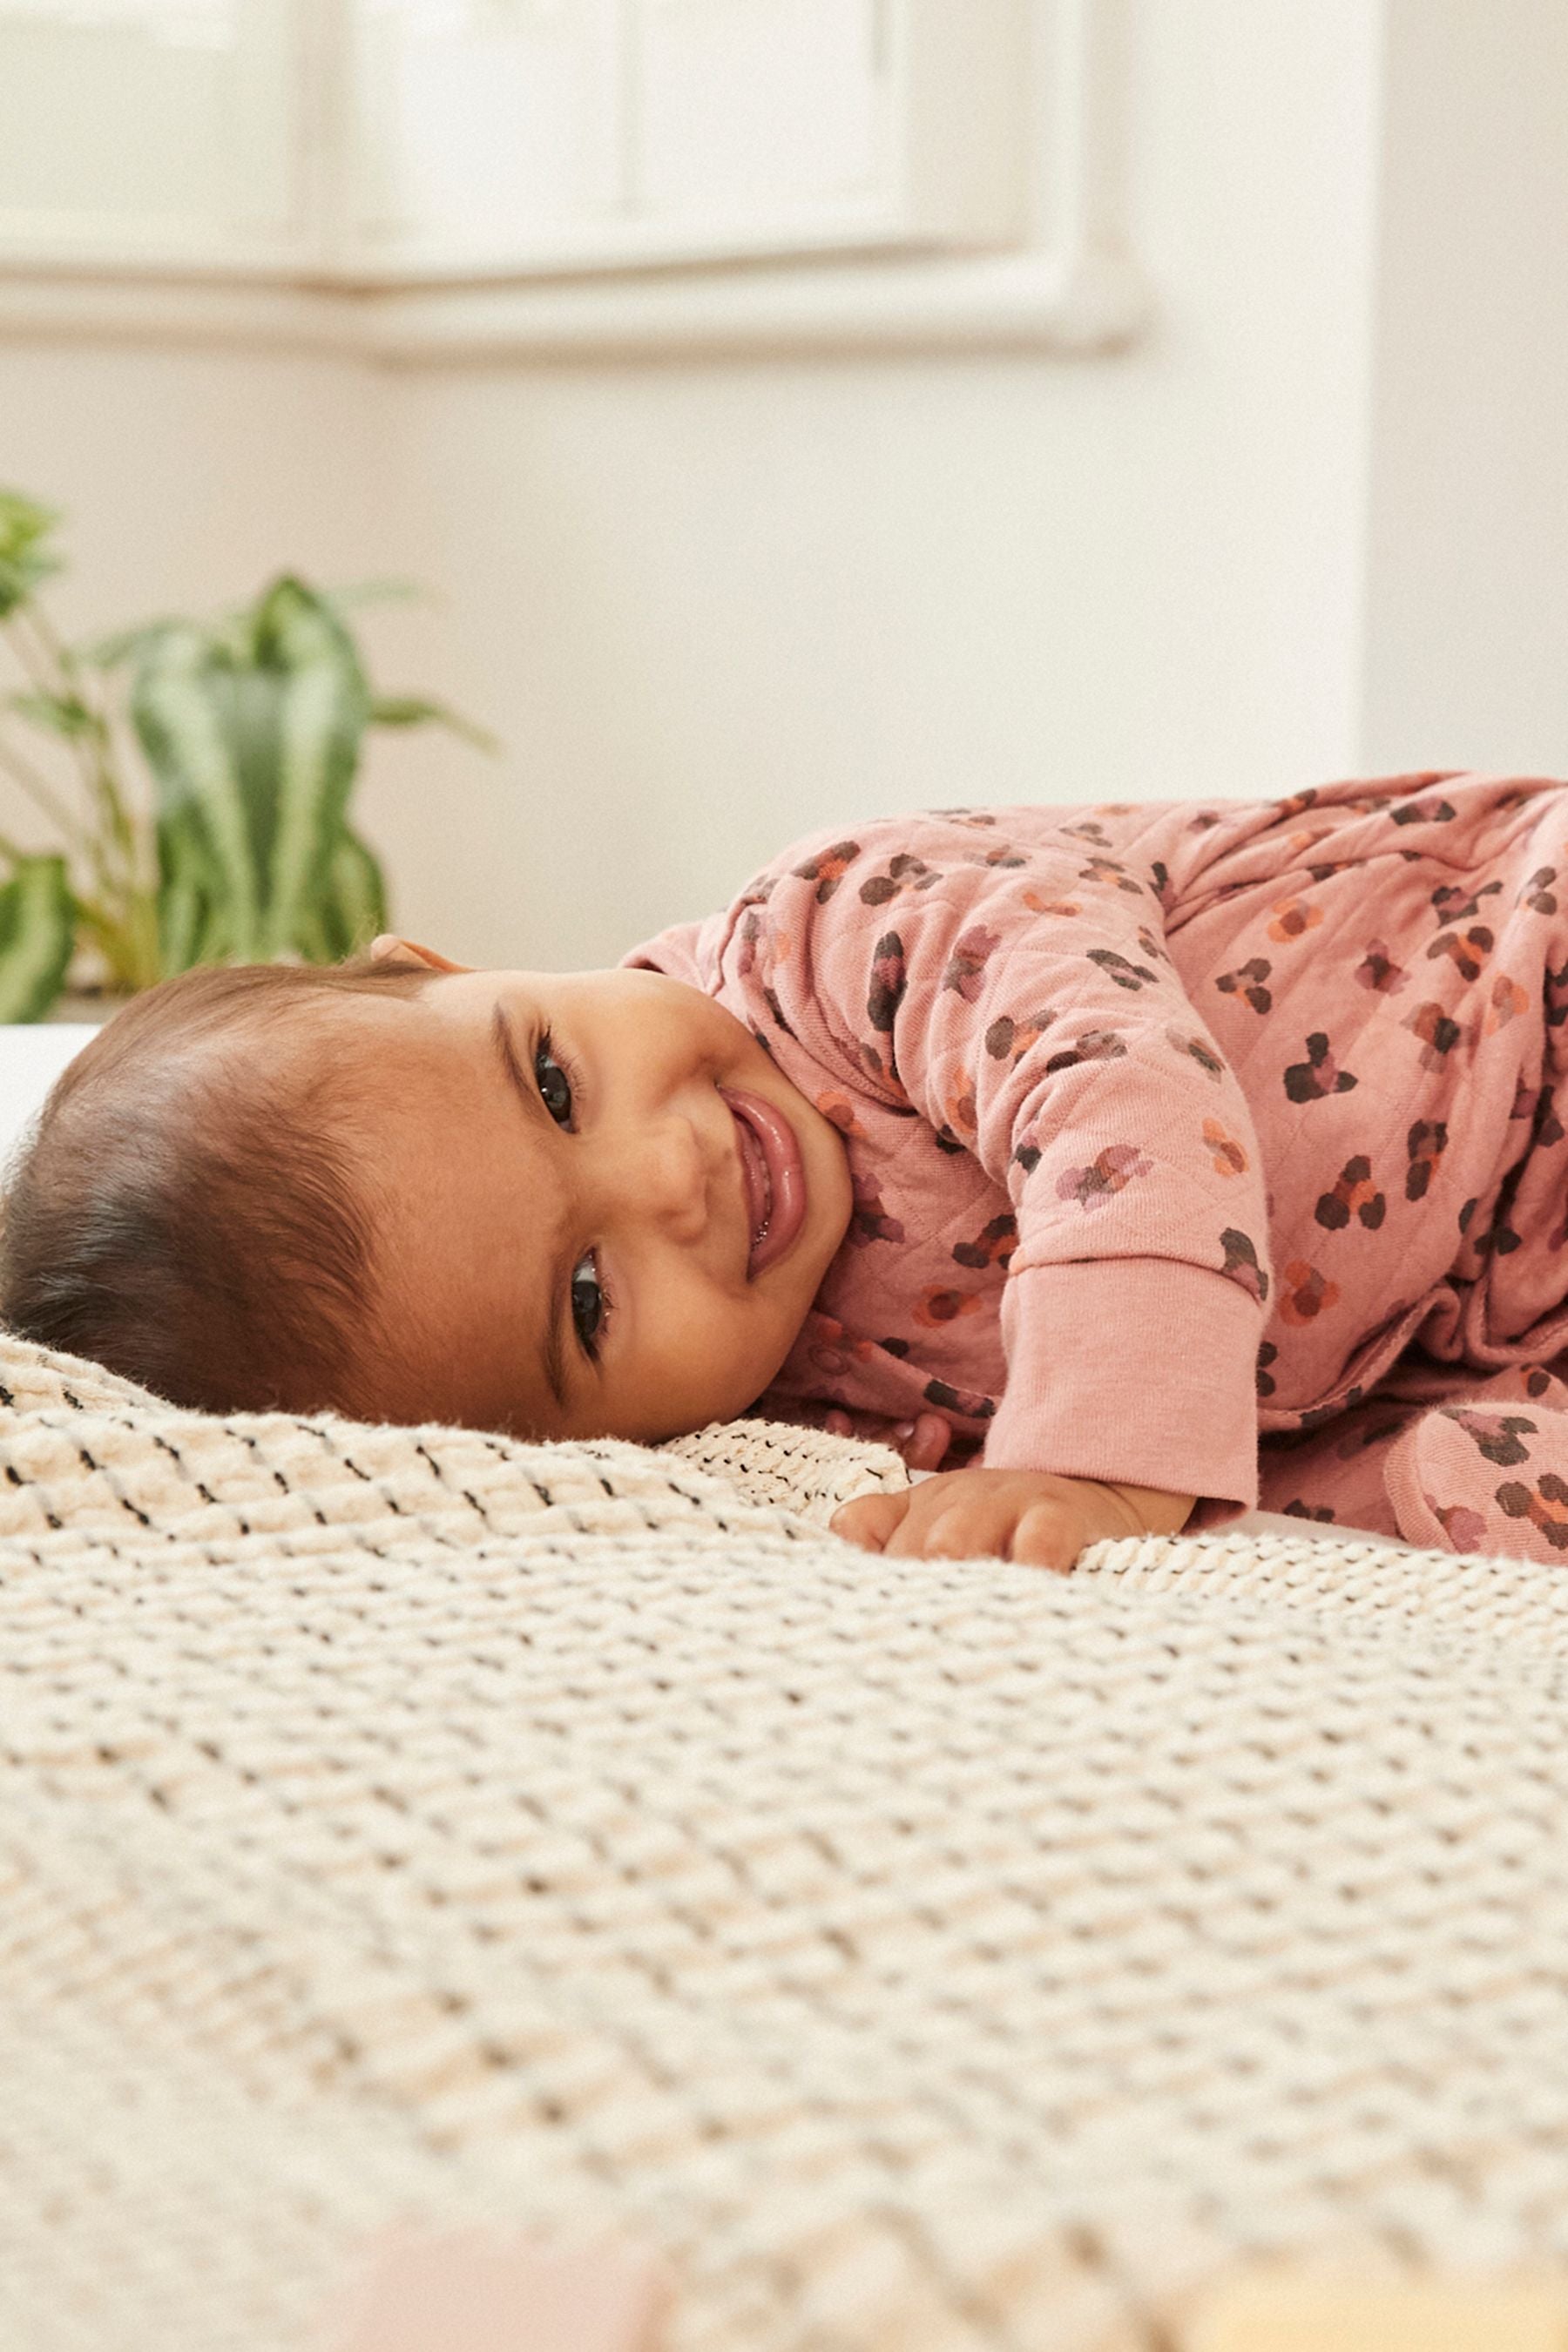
1049,1535
869,1519
952,1518
948,1520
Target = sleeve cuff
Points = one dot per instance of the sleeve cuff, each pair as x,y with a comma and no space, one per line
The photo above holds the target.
1138,1370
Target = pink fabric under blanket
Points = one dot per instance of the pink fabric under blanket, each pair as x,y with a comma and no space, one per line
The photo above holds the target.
1482,1467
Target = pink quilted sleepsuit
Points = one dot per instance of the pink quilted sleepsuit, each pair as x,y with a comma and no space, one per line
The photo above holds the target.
1174,1126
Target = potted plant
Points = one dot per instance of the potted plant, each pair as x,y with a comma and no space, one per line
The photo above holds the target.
195,777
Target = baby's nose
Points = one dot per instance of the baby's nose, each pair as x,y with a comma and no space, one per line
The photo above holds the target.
667,1179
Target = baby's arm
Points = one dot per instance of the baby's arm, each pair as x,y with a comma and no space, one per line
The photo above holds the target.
1020,1001
1027,1516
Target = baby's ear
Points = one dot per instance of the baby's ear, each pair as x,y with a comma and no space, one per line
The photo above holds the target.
407,955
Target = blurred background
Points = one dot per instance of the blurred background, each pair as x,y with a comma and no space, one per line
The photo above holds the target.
804,408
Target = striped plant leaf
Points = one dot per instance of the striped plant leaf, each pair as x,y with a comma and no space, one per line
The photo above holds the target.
253,734
419,711
322,708
185,707
354,906
27,556
38,934
182,918
251,724
190,930
58,714
125,644
253,728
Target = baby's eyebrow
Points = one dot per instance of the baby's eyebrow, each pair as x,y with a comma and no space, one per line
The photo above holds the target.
553,1354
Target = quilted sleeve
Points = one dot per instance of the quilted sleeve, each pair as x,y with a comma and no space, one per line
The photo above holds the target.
1020,1002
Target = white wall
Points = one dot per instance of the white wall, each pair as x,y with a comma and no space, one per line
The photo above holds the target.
710,606
1467,644
188,475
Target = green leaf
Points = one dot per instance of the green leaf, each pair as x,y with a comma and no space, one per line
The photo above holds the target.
59,714
185,707
253,728
360,592
27,559
323,711
38,934
125,644
253,734
182,915
353,909
417,710
185,903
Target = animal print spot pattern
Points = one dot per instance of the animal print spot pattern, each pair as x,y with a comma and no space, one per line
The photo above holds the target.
1108,1174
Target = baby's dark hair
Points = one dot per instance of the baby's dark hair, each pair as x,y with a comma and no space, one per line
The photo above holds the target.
191,1218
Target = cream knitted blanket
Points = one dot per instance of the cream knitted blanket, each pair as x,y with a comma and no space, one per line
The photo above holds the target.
924,1956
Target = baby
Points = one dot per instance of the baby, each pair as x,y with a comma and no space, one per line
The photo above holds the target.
1072,1147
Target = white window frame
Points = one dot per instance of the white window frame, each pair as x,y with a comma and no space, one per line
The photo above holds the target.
929,61
1068,283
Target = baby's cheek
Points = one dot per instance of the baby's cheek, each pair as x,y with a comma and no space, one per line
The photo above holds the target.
705,1358
757,1345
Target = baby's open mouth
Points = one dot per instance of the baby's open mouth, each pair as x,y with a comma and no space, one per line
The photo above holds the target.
772,1178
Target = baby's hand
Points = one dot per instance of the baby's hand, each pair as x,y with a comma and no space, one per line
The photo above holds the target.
1023,1515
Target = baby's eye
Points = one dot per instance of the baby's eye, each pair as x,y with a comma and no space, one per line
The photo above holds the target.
555,1087
587,1301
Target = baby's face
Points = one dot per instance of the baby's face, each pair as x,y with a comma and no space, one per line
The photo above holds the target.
602,1210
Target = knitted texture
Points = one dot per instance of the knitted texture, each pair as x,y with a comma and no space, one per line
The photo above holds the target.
925,1956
